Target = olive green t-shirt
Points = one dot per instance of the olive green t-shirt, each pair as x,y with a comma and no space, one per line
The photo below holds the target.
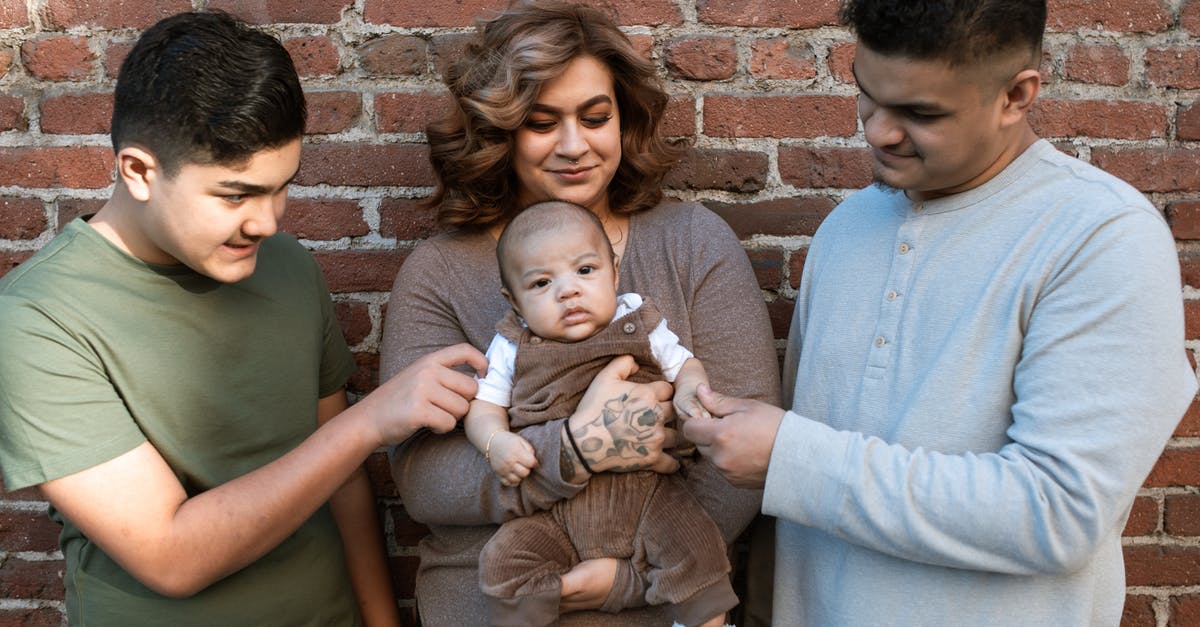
100,352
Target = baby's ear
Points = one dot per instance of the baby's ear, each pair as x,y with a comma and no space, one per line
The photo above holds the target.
508,297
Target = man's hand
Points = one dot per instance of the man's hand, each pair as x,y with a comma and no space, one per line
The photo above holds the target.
739,440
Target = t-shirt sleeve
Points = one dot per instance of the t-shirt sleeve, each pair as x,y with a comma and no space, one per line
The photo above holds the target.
337,362
496,387
59,411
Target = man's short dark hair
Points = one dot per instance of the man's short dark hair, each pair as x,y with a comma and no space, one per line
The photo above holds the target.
206,88
959,32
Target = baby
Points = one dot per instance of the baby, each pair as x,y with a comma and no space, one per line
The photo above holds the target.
567,322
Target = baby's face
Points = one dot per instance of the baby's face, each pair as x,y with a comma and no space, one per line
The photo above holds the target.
563,283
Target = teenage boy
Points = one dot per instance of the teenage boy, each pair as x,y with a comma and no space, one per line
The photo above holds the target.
172,375
986,357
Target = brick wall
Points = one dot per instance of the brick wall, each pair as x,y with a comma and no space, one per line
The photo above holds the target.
762,87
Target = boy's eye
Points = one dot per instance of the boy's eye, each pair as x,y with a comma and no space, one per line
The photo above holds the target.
234,198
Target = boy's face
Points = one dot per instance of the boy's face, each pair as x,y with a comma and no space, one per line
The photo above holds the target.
932,129
212,217
563,282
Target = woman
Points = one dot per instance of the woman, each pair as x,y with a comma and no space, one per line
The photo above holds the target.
554,102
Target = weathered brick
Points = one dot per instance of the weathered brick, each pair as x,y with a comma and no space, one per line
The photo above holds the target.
1189,16
399,112
841,61
77,113
780,116
805,167
63,14
714,168
405,531
779,58
10,260
13,14
643,44
380,473
1098,64
448,49
1126,16
767,13
284,11
1176,467
332,111
89,167
58,58
768,267
25,531
679,119
71,208
6,58
465,12
1189,266
406,219
1143,518
365,377
355,319
323,219
1138,612
1154,565
365,164
1191,319
793,215
359,270
313,56
1181,515
1175,66
1189,425
1187,121
393,55
114,56
12,114
404,574
780,312
21,218
701,57
1151,169
1119,119
796,267
23,579
33,617
1185,610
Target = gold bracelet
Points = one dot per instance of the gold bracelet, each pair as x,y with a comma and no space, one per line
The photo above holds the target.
487,450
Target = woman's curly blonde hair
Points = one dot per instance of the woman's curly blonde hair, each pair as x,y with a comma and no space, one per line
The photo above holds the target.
494,87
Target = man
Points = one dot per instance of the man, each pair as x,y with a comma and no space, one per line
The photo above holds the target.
986,357
165,365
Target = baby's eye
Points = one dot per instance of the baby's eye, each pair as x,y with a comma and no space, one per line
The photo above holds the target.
587,269
540,283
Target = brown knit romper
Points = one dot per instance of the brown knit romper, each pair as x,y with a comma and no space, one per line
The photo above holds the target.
644,517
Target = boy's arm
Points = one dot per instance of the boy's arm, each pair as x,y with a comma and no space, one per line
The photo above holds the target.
510,455
483,420
689,378
353,507
135,509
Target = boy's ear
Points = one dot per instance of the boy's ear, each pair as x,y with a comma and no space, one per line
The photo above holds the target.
1021,91
138,169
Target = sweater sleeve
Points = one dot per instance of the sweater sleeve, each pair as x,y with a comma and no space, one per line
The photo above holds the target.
1100,384
443,479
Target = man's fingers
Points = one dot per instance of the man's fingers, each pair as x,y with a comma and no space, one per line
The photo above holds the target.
460,354
717,404
701,430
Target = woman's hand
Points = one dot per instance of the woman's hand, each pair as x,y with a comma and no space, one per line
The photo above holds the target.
619,426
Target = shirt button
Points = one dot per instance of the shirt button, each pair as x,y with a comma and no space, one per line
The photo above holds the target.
879,341
904,248
535,340
892,295
629,327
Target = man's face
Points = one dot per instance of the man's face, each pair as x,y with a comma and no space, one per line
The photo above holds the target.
932,129
212,218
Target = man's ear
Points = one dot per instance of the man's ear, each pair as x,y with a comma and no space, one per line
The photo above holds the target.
1020,92
138,169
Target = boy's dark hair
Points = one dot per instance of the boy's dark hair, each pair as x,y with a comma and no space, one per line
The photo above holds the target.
959,32
206,88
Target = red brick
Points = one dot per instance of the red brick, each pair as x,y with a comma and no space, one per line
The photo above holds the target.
284,11
779,58
1187,122
1191,319
1189,16
1189,426
804,167
1138,612
1176,467
77,114
767,13
359,271
13,14
380,472
714,168
1185,611
465,12
10,260
365,165
780,116
33,617
1155,565
26,531
12,114
796,267
393,55
1099,64
1189,266
794,215
366,375
768,267
1151,169
21,218
24,494
406,532
841,62
6,57
780,312
406,219
643,44
448,48
114,55
63,14
1182,515
1052,117
404,574
701,57
355,319
1137,16
332,111
89,167
679,119
313,56
58,58
71,208
1143,518
31,580
1176,66
398,112
323,219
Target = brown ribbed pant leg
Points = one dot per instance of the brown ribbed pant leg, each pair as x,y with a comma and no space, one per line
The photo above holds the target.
521,568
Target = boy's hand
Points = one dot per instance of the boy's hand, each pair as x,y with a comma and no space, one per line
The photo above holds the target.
511,456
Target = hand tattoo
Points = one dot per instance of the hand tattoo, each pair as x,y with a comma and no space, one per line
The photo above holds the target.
627,426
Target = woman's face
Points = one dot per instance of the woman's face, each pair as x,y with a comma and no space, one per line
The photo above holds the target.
570,146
